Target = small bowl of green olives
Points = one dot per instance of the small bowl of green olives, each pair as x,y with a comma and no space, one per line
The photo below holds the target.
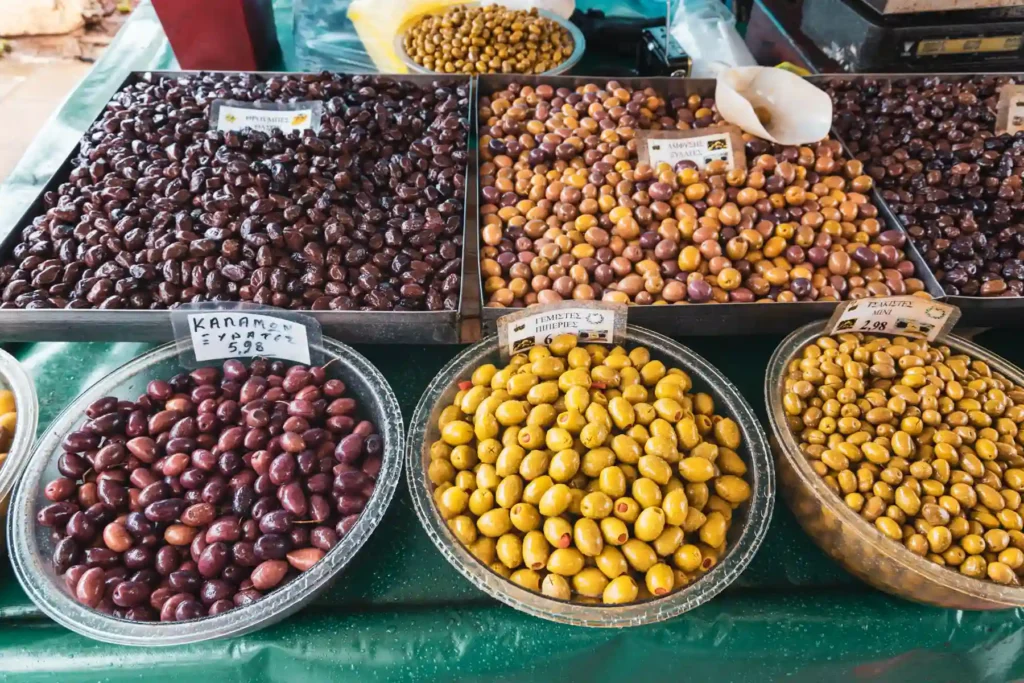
470,38
901,458
602,486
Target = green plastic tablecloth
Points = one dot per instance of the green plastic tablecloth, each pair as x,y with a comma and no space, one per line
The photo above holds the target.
400,612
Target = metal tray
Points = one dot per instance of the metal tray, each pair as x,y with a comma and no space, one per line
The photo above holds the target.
975,311
358,327
695,319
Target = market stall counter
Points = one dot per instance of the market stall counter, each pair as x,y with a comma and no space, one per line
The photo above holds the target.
399,611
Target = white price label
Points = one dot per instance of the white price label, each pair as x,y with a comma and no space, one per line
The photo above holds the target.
229,115
909,316
1010,110
701,146
234,334
593,322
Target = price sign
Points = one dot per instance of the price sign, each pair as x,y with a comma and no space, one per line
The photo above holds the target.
909,316
216,331
230,334
593,322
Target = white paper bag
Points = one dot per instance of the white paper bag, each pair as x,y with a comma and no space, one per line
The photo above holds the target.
793,111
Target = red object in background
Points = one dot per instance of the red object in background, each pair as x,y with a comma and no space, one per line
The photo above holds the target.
220,35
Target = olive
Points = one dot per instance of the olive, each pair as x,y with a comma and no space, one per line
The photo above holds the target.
598,465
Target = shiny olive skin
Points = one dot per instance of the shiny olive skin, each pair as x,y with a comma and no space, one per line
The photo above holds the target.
580,488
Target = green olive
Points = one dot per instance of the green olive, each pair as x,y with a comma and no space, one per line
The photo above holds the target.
590,582
646,492
484,549
639,555
614,531
527,578
558,532
612,481
494,523
555,586
596,505
555,501
564,465
696,469
510,550
565,561
650,524
464,529
536,550
587,536
687,557
659,579
675,506
510,413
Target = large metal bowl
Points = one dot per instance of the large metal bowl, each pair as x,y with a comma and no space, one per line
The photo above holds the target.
750,521
846,536
32,547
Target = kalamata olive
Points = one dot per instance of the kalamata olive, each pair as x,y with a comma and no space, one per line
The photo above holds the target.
272,547
282,469
243,553
80,527
57,514
90,587
143,448
137,525
101,557
185,581
112,494
215,590
170,605
72,466
268,574
165,511
224,529
293,499
346,524
350,504
276,522
101,406
65,554
138,558
105,425
213,560
349,449
247,597
220,607
323,537
131,593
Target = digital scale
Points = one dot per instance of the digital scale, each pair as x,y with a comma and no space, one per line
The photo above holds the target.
917,35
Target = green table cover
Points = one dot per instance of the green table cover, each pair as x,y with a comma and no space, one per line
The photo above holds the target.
400,612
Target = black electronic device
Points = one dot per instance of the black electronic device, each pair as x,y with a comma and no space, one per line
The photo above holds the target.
918,35
659,54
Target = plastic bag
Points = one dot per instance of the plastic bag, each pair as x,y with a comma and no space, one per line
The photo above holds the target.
356,35
706,30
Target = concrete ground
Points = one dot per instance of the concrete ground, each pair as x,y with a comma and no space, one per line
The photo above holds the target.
30,91
37,73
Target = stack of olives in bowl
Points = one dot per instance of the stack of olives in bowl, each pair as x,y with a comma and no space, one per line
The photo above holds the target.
568,211
573,479
901,458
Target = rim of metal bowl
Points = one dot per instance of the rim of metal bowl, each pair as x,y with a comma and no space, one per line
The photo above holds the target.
14,377
867,533
579,44
48,592
743,546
